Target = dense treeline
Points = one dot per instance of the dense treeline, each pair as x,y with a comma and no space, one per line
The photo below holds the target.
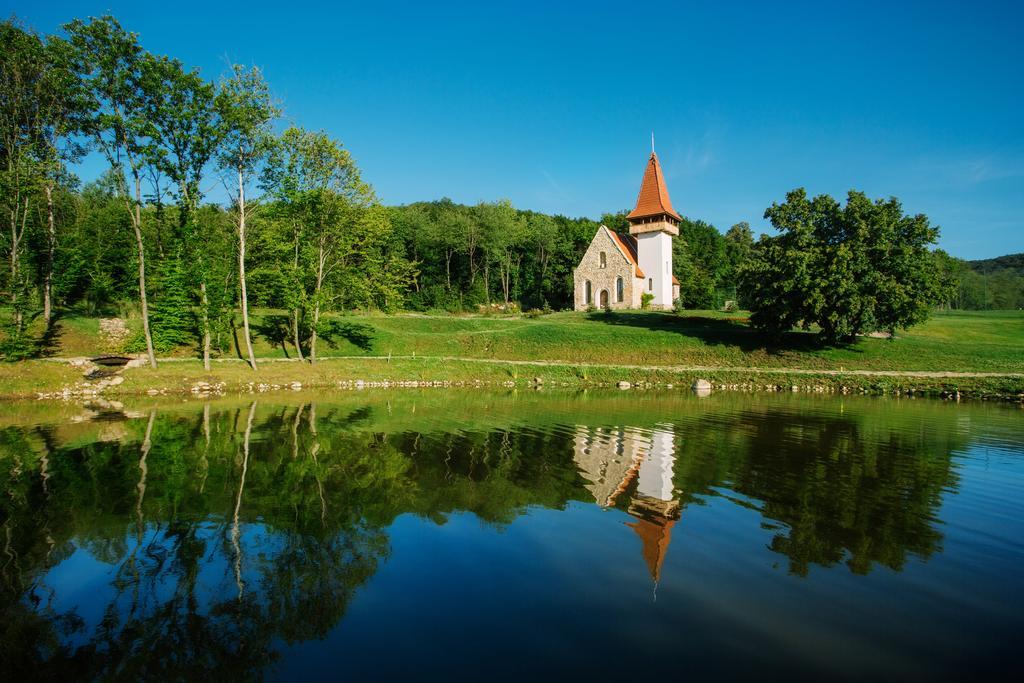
468,256
145,236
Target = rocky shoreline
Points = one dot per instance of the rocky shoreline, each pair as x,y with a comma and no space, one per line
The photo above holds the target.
97,382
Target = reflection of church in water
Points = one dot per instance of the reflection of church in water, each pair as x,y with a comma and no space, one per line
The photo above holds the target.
636,465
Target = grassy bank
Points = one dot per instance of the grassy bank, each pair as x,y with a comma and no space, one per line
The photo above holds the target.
572,349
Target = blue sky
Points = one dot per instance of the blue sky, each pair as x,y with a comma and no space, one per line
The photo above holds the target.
552,105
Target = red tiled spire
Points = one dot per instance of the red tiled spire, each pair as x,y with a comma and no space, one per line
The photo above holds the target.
653,198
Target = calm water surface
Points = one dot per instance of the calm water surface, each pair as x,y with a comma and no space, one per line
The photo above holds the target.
474,536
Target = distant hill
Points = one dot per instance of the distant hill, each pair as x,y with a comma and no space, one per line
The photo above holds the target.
1013,262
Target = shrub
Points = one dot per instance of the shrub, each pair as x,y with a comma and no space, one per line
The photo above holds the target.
645,300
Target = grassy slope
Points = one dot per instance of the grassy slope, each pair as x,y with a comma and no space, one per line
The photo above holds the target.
962,342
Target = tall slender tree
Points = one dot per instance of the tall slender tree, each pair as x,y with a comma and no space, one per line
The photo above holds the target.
247,111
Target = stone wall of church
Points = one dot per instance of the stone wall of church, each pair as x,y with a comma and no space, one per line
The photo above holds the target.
603,278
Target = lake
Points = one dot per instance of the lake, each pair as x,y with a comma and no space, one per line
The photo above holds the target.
468,535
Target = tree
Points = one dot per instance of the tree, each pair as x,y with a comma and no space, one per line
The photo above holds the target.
247,111
543,232
172,317
739,240
506,234
61,102
38,105
321,186
847,270
108,61
185,124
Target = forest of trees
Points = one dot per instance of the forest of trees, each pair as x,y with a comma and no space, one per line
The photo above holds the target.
301,230
989,284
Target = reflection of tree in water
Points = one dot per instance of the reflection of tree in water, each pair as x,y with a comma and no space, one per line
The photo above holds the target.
164,515
854,488
232,530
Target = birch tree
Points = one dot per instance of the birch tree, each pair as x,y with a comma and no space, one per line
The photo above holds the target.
247,111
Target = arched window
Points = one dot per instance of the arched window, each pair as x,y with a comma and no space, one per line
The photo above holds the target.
587,294
650,284
618,290
604,260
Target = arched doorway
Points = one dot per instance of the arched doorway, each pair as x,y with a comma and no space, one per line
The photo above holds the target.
604,298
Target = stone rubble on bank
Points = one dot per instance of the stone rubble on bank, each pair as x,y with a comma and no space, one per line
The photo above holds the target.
96,380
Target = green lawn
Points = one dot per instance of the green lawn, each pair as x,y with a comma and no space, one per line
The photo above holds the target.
990,341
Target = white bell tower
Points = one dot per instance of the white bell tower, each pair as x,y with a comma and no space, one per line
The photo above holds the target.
654,223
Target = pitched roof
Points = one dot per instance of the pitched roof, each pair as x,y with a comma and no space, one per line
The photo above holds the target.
653,199
627,245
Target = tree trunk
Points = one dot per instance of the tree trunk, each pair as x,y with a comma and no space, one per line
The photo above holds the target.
316,305
448,267
487,281
312,336
143,303
241,270
505,271
15,240
295,332
295,311
51,248
204,303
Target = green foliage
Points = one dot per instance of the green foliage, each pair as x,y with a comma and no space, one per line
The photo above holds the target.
847,270
696,286
171,315
983,285
645,300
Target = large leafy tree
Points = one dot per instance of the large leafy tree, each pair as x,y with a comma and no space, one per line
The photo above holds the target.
185,124
325,198
846,270
108,61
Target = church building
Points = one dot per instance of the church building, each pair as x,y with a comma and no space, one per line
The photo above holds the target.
617,270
